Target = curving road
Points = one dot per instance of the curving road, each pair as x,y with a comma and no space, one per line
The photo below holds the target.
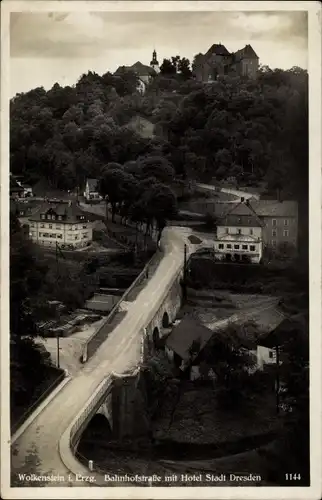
36,450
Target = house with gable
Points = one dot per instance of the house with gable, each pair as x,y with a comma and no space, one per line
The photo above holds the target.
91,193
62,223
143,72
239,235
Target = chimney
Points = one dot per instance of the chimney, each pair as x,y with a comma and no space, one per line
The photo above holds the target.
242,199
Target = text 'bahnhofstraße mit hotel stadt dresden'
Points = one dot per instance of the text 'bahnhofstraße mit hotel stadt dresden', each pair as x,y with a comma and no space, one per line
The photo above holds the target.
142,479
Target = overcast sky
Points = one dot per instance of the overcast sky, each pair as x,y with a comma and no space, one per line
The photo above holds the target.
58,47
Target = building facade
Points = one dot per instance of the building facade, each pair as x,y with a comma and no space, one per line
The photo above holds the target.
219,62
279,221
239,237
63,223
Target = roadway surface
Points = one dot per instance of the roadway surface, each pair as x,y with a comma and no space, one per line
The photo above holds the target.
36,450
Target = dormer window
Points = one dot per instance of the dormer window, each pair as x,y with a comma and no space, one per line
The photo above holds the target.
53,217
48,216
42,216
59,217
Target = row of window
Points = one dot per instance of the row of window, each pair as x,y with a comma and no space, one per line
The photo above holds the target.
285,222
58,226
285,232
239,231
59,236
58,217
221,246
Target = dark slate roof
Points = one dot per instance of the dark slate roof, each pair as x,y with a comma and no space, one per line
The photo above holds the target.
246,53
70,212
218,49
184,334
92,184
283,331
271,208
138,68
231,217
142,69
262,208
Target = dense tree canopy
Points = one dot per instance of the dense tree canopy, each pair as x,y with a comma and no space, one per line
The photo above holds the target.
253,130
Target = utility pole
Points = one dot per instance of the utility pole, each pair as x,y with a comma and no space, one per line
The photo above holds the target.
184,285
58,365
277,380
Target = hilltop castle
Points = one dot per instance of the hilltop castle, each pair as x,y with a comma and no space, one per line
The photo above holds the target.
218,61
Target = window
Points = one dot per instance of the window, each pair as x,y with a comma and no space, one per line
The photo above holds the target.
85,235
228,245
274,222
285,232
42,225
76,237
285,222
52,235
21,212
252,248
58,226
85,227
239,219
274,243
49,216
220,246
82,217
59,217
50,226
274,232
226,230
42,216
59,236
32,225
238,231
245,247
251,231
271,354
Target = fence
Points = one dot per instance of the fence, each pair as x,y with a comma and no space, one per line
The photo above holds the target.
38,401
91,346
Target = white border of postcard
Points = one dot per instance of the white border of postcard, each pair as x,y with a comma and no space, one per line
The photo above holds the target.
315,134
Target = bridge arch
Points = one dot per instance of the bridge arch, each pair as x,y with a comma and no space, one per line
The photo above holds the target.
165,320
156,337
98,425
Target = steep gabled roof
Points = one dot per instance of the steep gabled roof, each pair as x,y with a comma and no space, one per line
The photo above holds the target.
218,49
246,53
142,69
245,209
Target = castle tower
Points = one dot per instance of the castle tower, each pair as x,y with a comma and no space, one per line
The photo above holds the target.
154,63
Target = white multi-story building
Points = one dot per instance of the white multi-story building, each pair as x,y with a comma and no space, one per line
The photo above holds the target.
239,236
62,223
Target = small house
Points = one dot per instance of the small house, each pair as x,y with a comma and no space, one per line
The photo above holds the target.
91,193
184,345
